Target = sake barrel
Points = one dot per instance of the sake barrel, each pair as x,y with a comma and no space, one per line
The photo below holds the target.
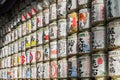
28,71
71,5
72,22
53,49
46,35
28,41
84,66
114,62
97,10
53,69
39,53
84,42
40,19
33,55
39,36
98,64
72,44
61,8
46,70
33,71
53,11
33,39
53,30
45,4
62,26
113,34
84,18
34,23
62,48
28,26
62,68
98,37
82,2
46,13
46,52
112,8
72,67
39,70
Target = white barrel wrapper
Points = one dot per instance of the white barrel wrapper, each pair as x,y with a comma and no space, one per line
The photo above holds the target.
53,30
98,37
62,47
84,66
72,44
114,63
53,49
84,42
113,34
84,18
62,25
98,67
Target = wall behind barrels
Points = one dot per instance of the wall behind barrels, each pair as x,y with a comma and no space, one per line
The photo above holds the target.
61,40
